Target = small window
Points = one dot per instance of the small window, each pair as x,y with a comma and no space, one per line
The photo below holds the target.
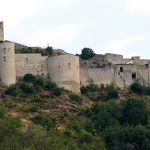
147,65
58,66
27,59
69,64
121,69
133,75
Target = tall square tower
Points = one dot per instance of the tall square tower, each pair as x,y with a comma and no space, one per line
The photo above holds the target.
1,31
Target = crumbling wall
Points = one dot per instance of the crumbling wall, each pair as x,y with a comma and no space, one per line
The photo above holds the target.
31,63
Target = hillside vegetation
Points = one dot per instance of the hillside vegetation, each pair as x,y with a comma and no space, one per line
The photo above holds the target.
35,114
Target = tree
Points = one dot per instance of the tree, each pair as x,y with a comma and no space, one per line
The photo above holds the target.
137,88
49,50
87,53
134,112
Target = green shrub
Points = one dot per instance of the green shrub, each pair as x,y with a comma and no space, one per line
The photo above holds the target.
2,112
147,90
85,137
103,116
38,81
27,87
33,108
127,138
75,98
13,90
90,87
50,85
134,112
44,121
57,91
111,92
67,133
28,78
37,99
137,88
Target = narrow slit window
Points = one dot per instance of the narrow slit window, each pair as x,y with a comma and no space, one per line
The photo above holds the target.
121,69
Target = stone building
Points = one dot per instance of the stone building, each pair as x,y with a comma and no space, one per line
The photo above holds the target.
70,71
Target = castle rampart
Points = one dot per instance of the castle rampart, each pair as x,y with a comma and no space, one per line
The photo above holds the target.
69,71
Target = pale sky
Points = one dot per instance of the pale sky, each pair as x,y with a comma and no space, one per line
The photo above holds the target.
106,26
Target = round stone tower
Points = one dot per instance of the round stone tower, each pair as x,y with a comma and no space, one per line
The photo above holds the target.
64,71
7,63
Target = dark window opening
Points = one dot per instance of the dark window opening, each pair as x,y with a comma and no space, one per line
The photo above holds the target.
133,75
27,59
121,69
147,65
58,66
69,64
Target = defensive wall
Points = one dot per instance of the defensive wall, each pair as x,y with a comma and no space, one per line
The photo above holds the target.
70,71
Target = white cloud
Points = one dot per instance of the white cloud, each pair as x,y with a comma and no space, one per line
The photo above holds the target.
12,12
59,35
58,4
142,6
119,45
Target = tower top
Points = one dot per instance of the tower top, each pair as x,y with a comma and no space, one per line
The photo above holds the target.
1,31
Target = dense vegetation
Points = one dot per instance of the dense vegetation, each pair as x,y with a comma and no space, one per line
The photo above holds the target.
47,51
87,53
35,114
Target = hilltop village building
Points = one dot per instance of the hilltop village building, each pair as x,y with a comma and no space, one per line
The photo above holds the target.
70,71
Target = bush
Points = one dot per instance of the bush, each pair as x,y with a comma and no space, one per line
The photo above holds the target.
134,112
50,85
37,99
2,112
137,88
27,88
75,98
57,91
103,116
127,138
147,90
33,108
38,81
87,53
49,50
91,87
111,92
44,121
28,78
85,137
13,90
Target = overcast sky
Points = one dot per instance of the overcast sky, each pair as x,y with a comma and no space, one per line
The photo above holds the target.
116,26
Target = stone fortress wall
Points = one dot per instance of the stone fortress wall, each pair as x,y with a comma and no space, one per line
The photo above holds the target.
69,71
113,68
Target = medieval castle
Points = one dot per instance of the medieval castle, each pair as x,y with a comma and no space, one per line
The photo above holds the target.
70,71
